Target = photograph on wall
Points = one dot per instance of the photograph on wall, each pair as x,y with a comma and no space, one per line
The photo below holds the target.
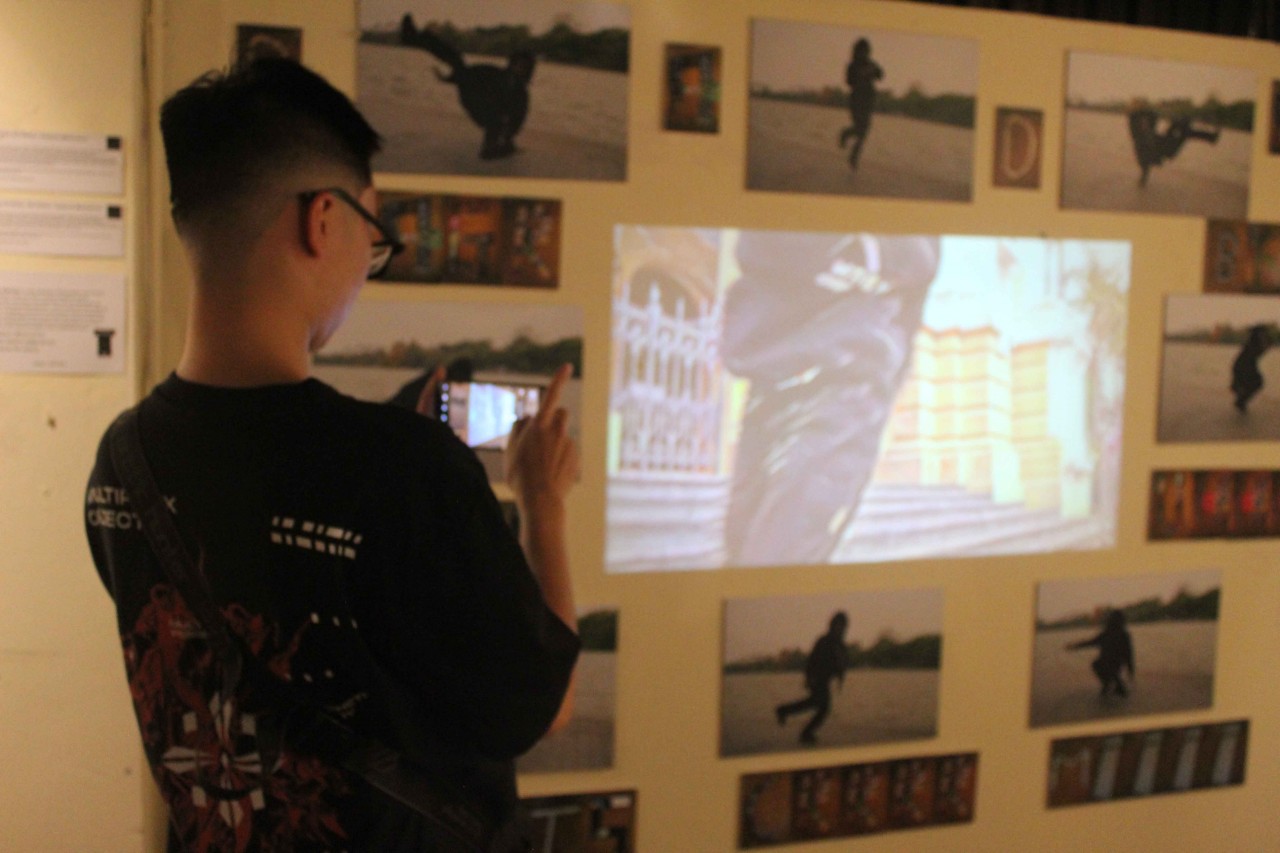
1124,646
497,358
1019,143
852,111
259,41
1215,358
1241,257
1100,768
830,670
1214,504
786,806
598,822
691,92
781,398
473,239
1154,136
586,743
509,88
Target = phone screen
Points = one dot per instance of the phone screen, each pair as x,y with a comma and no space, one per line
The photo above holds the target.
482,413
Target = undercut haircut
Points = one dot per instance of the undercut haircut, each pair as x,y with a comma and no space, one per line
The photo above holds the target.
228,136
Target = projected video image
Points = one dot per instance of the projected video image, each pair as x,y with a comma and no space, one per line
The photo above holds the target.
782,398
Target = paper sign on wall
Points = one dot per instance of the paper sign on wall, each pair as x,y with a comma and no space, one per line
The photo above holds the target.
61,162
61,228
61,322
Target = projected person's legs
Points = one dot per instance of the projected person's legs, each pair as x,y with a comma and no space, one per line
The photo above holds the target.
823,326
806,454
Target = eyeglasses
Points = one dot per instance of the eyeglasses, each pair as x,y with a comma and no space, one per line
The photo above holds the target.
384,248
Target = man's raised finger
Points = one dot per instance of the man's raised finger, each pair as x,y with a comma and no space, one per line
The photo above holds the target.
551,398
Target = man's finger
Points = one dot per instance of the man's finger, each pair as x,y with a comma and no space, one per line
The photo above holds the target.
551,397
560,421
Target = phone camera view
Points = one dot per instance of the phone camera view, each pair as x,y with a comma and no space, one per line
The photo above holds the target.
482,413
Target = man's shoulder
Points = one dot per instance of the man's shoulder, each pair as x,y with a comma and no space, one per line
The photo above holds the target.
309,416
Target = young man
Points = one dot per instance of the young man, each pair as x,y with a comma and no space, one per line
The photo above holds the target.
357,550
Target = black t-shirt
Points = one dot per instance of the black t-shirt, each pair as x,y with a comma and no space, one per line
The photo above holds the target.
334,534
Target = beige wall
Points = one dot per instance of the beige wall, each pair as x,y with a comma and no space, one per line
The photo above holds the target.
73,775
66,734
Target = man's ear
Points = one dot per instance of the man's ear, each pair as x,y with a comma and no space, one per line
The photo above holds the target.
316,224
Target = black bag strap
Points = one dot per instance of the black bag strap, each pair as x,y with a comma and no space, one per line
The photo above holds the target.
157,524
461,824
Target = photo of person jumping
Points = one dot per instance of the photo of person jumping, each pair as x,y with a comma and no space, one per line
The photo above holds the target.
1217,348
814,84
1156,136
860,75
1169,619
869,676
827,662
1157,141
502,88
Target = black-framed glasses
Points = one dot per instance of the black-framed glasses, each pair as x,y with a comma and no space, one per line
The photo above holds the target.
384,248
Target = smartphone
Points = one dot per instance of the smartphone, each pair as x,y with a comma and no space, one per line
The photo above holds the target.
482,413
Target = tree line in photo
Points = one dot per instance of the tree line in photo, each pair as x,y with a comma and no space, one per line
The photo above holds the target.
1224,333
922,652
522,355
946,108
604,50
1182,606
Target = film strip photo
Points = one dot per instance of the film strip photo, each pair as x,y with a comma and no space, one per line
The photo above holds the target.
856,799
1145,763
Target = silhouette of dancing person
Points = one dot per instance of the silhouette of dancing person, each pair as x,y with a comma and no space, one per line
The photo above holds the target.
1246,379
861,75
1153,146
495,97
1115,653
827,660
823,326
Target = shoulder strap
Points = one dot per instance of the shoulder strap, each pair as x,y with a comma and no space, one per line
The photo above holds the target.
125,441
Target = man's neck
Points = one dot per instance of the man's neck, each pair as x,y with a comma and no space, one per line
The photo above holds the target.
243,349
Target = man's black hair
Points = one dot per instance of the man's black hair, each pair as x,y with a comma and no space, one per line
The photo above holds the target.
226,135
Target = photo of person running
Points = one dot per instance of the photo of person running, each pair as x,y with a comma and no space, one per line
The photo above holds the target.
860,75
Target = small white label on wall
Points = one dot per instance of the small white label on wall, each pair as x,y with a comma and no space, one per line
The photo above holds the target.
61,162
61,229
61,322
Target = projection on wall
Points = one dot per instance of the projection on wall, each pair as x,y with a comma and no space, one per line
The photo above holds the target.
784,398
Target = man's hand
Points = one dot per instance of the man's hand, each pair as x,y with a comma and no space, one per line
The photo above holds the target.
541,466
541,459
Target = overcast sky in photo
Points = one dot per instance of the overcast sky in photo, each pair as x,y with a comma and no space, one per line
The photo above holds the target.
765,626
1189,313
378,323
1098,78
539,15
1060,599
787,55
